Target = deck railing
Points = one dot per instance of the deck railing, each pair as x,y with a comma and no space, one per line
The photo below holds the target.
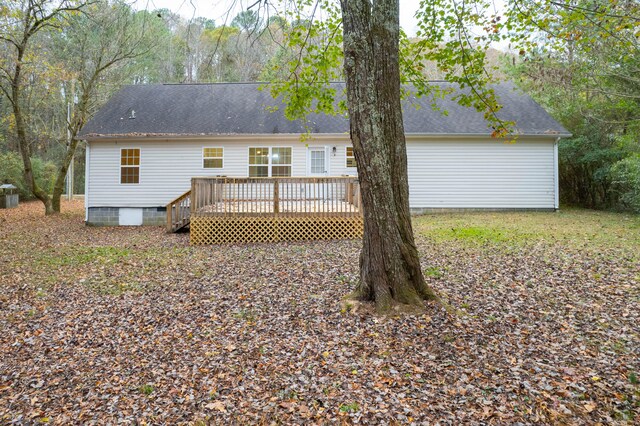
275,197
179,212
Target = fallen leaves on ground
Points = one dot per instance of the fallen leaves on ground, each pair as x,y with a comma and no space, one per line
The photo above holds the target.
131,325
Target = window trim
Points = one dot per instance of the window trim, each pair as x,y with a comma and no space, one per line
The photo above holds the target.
138,166
269,164
347,156
212,158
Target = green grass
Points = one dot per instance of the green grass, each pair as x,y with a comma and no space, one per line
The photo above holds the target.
433,272
132,265
84,255
482,234
349,408
573,227
146,389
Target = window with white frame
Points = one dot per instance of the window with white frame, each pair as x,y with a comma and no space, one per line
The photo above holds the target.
130,165
212,157
270,161
280,162
351,158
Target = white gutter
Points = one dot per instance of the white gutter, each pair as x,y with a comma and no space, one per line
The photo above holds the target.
323,136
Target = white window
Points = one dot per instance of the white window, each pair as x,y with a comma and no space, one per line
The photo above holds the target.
351,158
212,158
130,165
270,161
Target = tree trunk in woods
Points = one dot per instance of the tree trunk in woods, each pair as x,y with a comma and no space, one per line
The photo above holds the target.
21,130
58,186
36,15
390,271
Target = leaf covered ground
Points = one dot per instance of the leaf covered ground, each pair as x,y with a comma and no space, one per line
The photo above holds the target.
133,326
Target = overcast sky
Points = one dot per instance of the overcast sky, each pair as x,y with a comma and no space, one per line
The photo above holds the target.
218,9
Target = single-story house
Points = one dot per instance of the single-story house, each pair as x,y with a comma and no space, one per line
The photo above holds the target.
148,142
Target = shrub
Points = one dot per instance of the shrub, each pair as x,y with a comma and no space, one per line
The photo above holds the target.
11,171
585,166
625,178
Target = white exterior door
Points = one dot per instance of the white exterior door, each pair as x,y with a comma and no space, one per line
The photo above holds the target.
318,165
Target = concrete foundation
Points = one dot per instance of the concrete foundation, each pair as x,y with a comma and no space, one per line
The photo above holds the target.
110,216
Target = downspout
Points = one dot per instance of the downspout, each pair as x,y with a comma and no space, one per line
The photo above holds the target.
87,161
556,177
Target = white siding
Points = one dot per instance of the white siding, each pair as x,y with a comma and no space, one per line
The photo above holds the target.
166,166
445,173
481,173
339,160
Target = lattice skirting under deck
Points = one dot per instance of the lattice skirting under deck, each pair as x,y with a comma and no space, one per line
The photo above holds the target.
224,230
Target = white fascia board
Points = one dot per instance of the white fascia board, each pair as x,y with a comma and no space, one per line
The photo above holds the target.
265,136
413,136
316,136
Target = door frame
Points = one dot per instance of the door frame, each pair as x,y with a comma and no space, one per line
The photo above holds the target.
327,163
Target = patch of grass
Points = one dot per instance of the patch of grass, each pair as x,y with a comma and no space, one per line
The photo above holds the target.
433,272
572,227
146,389
344,279
287,394
351,407
346,307
448,337
619,346
480,234
83,255
245,314
623,415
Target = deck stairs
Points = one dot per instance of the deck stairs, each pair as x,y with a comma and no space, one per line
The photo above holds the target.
179,213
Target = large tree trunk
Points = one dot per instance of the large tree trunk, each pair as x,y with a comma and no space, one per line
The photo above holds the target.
58,186
390,271
73,128
21,130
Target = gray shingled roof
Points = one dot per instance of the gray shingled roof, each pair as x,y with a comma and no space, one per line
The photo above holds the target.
241,108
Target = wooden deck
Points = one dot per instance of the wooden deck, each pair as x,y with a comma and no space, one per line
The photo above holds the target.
236,210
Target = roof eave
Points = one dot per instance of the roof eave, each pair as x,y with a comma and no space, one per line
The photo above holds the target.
167,136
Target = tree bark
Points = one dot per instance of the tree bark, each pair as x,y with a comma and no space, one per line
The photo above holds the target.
35,15
21,130
58,186
390,271
78,120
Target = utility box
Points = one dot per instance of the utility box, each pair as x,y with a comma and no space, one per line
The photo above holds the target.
8,197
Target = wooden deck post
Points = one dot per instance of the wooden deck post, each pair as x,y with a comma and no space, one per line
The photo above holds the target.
194,197
276,197
170,217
